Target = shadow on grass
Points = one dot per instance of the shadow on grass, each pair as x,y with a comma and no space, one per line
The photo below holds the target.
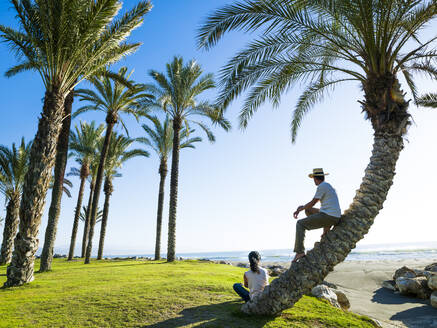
226,314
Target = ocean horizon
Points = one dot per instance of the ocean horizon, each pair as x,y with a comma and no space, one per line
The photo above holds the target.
375,252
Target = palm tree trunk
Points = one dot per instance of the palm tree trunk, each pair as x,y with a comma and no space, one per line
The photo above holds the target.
41,161
163,174
99,179
11,226
76,218
57,191
108,189
171,245
86,228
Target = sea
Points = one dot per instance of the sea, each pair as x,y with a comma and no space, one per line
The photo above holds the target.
378,252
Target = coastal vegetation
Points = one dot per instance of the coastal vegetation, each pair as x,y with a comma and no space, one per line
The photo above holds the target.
316,44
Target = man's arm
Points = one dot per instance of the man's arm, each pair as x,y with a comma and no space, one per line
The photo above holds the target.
307,206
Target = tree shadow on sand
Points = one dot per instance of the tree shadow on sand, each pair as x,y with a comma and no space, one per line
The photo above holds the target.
418,317
214,315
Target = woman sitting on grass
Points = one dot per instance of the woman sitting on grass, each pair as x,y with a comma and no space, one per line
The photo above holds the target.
255,279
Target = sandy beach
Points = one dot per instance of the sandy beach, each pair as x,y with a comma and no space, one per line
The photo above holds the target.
361,281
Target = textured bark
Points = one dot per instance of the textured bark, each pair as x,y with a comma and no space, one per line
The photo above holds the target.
387,111
171,245
11,226
86,228
57,191
110,120
108,189
163,174
76,217
41,161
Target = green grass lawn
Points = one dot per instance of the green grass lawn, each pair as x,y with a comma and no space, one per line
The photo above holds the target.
148,294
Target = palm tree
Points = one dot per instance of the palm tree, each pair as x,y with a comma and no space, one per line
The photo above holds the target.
177,94
65,41
13,167
118,154
324,43
112,98
84,146
160,139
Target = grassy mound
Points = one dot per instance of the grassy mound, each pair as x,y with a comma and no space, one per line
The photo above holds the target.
148,294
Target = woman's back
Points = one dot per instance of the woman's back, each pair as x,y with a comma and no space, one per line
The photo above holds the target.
257,281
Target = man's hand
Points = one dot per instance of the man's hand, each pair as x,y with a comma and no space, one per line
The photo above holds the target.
300,208
325,230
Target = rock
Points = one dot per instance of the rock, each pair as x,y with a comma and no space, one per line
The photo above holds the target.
433,299
342,299
404,272
205,260
431,267
224,262
414,286
242,265
276,270
329,284
389,284
432,282
59,256
326,293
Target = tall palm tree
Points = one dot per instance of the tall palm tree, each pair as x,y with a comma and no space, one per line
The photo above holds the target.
160,139
118,154
13,167
113,98
176,93
65,41
84,147
323,44
57,191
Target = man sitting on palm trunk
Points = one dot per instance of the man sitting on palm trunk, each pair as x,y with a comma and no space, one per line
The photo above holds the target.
325,217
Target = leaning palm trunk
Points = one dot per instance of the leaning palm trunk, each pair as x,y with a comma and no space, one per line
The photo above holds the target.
108,189
387,111
84,172
171,246
110,120
11,226
86,228
57,191
42,158
163,175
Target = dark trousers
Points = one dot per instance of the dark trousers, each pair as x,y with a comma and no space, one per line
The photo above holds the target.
242,292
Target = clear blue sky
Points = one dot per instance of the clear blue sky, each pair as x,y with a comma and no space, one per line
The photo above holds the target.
238,193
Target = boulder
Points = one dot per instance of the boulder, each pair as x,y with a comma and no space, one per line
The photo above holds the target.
404,272
431,267
432,282
276,270
433,299
242,265
224,262
342,299
414,286
326,293
389,284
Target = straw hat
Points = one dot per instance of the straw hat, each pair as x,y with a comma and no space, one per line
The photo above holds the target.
317,173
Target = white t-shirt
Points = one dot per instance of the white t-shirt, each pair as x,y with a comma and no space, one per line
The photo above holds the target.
329,200
257,281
